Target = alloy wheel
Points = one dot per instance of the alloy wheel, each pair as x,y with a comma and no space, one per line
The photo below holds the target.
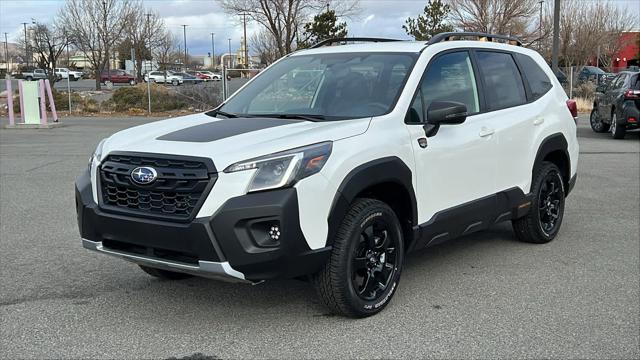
550,202
374,261
614,123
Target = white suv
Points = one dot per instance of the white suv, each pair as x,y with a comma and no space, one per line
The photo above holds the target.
335,162
64,73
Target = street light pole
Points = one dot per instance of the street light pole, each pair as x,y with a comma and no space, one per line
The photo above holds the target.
213,52
184,32
245,52
230,58
540,26
146,67
556,36
26,44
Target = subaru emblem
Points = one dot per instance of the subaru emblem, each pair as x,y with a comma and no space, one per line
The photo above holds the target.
144,175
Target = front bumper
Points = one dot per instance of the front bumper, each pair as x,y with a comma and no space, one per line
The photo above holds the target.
234,244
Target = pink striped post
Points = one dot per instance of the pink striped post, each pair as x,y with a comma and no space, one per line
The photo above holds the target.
12,119
43,103
20,93
52,104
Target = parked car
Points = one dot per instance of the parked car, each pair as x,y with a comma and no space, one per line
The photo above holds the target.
64,73
162,77
592,73
117,77
207,75
35,74
616,107
188,78
561,76
395,148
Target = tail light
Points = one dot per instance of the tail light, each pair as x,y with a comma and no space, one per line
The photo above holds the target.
632,94
573,108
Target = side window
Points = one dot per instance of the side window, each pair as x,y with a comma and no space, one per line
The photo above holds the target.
450,78
618,82
503,85
539,82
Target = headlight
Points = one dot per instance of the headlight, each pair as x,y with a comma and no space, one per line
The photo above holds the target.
284,168
97,154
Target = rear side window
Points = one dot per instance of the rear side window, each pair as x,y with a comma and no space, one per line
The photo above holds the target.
503,85
539,82
635,82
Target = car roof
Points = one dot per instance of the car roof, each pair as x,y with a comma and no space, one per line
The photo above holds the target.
390,46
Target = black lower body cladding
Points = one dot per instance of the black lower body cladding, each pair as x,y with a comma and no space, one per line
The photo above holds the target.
258,234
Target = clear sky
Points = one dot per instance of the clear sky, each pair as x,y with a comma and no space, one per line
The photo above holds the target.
382,18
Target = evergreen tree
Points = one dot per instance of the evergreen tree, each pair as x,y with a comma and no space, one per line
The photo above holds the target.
432,22
324,26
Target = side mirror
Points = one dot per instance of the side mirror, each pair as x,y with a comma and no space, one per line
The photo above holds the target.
446,113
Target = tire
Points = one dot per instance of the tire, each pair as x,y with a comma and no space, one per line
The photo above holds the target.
174,82
132,82
29,78
542,224
164,274
596,122
617,131
344,284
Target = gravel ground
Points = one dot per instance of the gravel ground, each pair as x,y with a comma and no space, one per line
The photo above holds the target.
482,296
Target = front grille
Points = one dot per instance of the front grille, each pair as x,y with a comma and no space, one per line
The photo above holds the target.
177,194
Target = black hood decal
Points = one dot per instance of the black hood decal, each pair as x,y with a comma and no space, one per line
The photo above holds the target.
221,129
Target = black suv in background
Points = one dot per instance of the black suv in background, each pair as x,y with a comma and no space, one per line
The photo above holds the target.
616,107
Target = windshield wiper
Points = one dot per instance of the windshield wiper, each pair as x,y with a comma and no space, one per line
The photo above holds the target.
308,117
229,115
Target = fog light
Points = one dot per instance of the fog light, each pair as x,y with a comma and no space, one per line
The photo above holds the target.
274,232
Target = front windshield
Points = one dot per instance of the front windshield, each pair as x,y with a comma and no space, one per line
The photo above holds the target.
330,86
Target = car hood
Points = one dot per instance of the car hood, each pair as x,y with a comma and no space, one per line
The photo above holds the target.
227,141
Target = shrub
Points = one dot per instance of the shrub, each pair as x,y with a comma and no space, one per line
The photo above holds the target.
585,90
133,98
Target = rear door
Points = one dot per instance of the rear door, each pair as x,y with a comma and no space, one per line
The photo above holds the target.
513,120
612,91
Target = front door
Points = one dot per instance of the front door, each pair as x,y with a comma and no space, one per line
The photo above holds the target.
455,168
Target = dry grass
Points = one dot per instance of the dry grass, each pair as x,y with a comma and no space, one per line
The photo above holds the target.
584,105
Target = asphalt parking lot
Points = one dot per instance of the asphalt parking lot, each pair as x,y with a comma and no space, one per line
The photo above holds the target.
482,296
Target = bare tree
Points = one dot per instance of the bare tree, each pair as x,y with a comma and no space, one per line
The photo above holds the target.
143,31
47,43
265,46
284,19
586,30
94,27
507,17
165,50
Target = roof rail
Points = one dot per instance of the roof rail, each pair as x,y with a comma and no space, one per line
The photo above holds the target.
512,40
328,42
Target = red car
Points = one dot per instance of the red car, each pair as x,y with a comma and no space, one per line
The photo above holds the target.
117,76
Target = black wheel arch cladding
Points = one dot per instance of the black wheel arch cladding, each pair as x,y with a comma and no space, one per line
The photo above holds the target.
554,148
367,180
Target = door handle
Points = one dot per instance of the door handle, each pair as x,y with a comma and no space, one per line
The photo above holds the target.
484,132
538,121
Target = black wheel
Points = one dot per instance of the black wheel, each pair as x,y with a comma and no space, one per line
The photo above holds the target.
617,131
164,274
542,223
174,82
29,78
596,123
364,268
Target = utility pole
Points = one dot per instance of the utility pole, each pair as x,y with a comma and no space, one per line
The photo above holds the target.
184,32
540,27
26,44
246,51
213,52
230,58
556,36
